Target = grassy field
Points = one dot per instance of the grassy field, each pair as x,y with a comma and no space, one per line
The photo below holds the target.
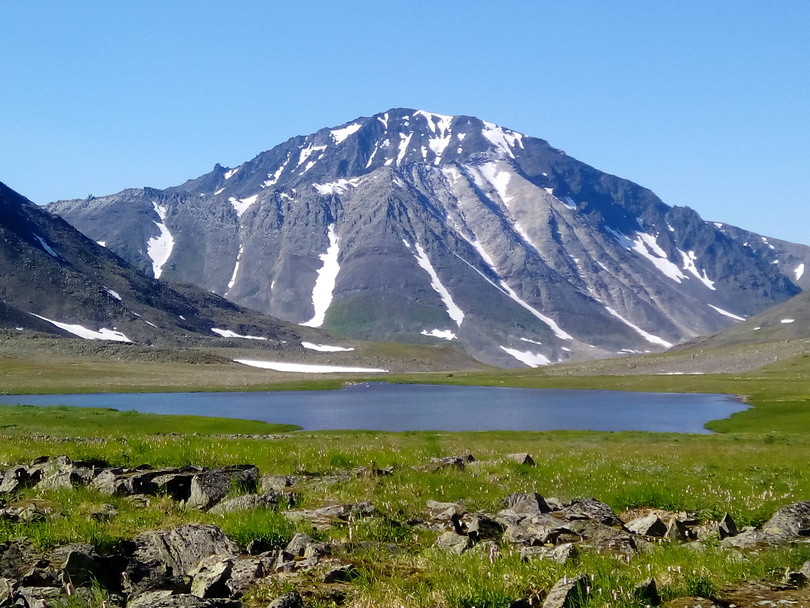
750,468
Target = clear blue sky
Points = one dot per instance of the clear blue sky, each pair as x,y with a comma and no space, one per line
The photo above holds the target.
705,103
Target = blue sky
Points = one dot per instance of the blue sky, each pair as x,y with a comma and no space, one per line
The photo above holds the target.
705,103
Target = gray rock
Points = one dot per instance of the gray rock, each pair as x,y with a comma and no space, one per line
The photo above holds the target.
454,543
246,572
789,522
167,599
248,502
480,527
521,458
604,538
181,549
35,597
8,588
210,577
650,525
276,483
291,599
210,487
336,514
535,530
561,554
590,508
569,593
531,503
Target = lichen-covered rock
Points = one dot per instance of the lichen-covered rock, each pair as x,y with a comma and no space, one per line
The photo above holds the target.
649,525
180,550
454,543
531,503
247,502
210,487
590,508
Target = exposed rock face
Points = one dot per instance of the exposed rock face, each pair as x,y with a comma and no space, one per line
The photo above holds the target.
414,226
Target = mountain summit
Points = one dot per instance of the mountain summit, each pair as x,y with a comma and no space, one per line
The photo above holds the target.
414,226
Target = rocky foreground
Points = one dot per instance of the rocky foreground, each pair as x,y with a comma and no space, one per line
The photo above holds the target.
198,566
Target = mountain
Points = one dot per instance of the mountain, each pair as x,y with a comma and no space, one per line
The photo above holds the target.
413,226
54,279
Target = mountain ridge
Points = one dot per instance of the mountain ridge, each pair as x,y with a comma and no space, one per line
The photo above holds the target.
409,225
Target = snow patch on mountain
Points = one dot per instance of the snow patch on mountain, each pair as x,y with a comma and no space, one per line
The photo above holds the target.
338,187
326,348
405,141
799,271
306,368
232,282
306,153
647,336
498,178
322,292
726,313
340,135
159,248
88,334
227,333
272,178
453,311
241,205
231,173
45,246
504,140
689,260
444,334
114,294
527,357
646,246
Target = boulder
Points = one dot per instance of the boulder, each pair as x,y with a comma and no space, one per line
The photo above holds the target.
8,587
650,525
344,573
210,487
604,538
454,543
569,593
180,550
210,577
480,527
789,522
590,508
562,554
535,530
276,483
326,517
249,502
521,458
246,572
531,503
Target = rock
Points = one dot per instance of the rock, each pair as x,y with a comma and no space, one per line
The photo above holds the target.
444,511
521,458
8,588
300,553
291,599
181,549
249,502
650,525
17,557
569,593
449,462
210,487
526,503
341,574
276,483
34,597
535,529
454,543
727,527
789,522
167,599
176,484
562,554
480,527
210,577
647,592
604,538
337,514
19,477
80,566
246,572
590,508
795,579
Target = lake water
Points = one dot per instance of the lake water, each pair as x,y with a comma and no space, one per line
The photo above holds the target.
399,407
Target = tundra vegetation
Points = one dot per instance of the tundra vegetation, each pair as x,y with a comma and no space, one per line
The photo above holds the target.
390,519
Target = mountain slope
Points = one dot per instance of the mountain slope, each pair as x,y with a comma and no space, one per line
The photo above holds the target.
416,226
54,279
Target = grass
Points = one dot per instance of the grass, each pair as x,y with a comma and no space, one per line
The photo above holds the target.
63,421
